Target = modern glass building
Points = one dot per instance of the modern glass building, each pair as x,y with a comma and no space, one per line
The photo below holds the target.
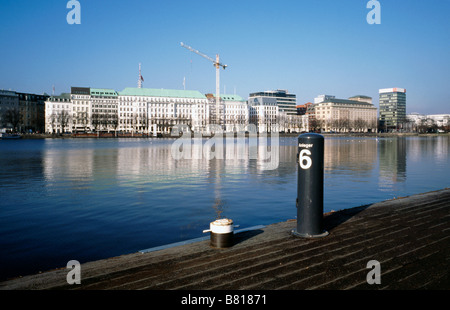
286,102
392,108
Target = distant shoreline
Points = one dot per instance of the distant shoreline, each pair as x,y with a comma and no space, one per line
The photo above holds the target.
111,136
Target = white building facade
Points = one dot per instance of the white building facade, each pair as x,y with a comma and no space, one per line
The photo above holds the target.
147,110
440,120
83,110
59,114
103,106
236,113
263,113
152,111
233,112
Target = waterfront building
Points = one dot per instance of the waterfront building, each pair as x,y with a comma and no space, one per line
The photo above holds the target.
81,112
85,109
158,110
263,112
133,110
343,115
22,112
59,114
214,117
416,118
233,112
392,108
9,110
285,101
440,121
303,108
292,123
32,112
103,104
154,111
236,112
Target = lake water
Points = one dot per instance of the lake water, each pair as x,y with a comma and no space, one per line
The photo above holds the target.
88,199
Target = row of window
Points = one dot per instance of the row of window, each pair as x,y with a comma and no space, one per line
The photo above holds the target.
161,99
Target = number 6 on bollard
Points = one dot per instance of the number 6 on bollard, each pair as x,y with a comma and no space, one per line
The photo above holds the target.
302,158
310,186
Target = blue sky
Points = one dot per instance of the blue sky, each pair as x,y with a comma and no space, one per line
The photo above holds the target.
307,47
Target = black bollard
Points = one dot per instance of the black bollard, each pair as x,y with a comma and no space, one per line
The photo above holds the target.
310,186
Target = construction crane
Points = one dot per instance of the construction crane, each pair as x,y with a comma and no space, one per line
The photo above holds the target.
217,65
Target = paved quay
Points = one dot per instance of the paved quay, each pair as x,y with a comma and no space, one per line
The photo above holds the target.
409,237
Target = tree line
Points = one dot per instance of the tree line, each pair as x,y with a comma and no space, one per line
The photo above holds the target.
342,125
21,120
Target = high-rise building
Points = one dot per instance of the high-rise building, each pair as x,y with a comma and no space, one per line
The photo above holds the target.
392,108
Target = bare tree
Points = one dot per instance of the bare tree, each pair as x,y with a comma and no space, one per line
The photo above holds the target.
39,120
372,125
341,124
63,119
330,123
346,124
314,124
319,124
359,124
53,120
12,116
95,118
115,123
82,118
104,121
144,121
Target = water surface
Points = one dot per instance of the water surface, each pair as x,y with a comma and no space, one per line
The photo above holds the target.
87,199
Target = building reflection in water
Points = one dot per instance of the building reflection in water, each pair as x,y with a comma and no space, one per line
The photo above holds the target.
392,163
350,156
140,166
150,165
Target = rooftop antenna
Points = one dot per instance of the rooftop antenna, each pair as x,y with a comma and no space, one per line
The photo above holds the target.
141,79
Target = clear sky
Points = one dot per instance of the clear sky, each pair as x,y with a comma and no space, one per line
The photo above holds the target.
307,47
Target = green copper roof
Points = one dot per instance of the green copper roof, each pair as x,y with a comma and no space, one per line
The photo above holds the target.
153,92
62,96
226,97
